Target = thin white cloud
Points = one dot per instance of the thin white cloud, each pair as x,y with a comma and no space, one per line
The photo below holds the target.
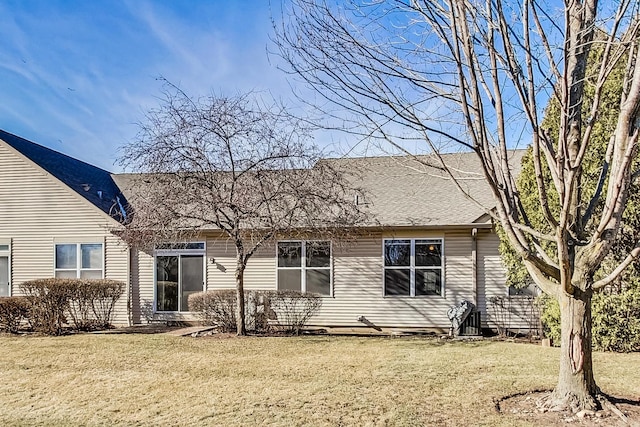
84,74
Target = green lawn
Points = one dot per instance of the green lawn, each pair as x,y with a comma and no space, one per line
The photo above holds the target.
166,380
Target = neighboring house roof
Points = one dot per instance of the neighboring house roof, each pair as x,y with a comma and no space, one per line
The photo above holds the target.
400,191
413,191
92,183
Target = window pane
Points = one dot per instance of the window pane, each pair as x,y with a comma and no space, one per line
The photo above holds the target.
529,290
4,247
91,274
167,283
397,281
289,280
319,281
66,274
428,253
318,254
91,255
66,256
192,278
397,253
428,282
4,276
289,254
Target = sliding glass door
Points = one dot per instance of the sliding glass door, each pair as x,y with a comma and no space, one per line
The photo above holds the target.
5,270
178,276
5,291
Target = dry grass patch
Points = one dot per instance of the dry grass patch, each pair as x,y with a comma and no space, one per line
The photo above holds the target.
165,380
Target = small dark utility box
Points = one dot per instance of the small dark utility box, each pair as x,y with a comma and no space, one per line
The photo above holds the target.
472,325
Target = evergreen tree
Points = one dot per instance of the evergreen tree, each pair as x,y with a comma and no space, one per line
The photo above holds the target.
616,308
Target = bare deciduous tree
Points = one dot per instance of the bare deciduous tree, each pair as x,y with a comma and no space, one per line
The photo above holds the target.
236,166
476,75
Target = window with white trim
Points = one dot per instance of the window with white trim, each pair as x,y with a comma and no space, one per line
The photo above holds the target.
413,267
5,269
305,266
79,260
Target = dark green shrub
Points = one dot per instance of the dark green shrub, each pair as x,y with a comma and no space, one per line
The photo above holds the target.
293,308
550,318
616,320
14,312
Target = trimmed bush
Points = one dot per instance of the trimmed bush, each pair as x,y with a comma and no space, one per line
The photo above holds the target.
92,302
218,308
105,295
294,308
49,300
87,303
79,307
13,312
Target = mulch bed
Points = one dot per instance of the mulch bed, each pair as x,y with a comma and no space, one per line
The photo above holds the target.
523,406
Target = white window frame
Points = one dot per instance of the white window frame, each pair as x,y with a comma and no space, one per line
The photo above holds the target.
303,265
7,253
177,251
533,291
78,269
412,267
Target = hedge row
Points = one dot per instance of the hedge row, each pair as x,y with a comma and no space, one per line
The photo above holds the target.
14,311
50,304
616,320
289,310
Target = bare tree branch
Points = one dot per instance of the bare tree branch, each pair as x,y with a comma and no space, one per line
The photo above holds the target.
235,166
472,75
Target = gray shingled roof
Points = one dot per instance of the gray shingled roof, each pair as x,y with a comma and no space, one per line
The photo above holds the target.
85,179
398,191
403,191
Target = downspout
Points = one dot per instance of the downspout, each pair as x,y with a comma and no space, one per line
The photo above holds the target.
474,265
129,308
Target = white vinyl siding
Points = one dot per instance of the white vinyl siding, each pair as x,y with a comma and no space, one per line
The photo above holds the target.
357,279
39,212
492,283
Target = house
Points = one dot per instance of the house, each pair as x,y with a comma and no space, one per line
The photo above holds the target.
431,248
55,217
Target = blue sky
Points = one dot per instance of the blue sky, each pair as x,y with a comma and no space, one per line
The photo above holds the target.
77,76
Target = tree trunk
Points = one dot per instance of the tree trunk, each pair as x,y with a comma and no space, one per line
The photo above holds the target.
576,388
241,327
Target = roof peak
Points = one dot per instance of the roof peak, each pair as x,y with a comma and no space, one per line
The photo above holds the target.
91,182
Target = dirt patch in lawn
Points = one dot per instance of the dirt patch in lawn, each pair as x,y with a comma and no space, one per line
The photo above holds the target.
524,406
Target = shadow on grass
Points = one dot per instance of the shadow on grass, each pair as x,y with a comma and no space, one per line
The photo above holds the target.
152,328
